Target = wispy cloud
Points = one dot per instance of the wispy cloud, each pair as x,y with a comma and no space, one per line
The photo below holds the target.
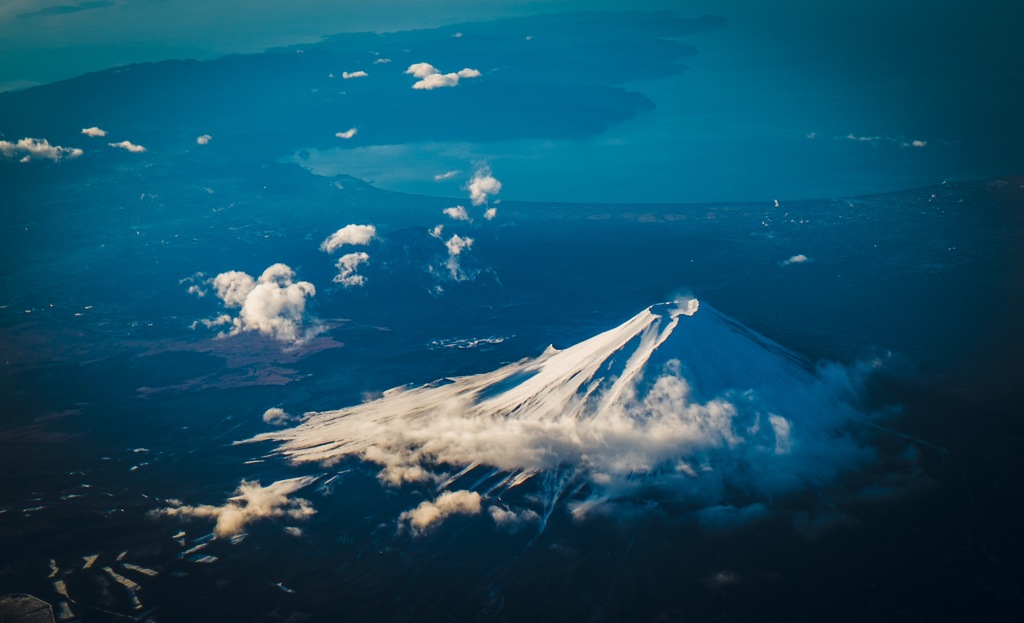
129,146
894,140
252,502
94,131
347,266
37,149
447,175
456,245
381,61
350,234
347,134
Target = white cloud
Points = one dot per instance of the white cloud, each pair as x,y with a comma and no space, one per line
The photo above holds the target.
273,305
347,266
37,148
293,531
347,134
456,245
457,35
381,61
350,234
447,175
436,231
430,77
430,513
355,74
93,131
252,502
482,185
204,139
918,143
490,213
421,70
436,81
277,416
129,146
796,259
457,213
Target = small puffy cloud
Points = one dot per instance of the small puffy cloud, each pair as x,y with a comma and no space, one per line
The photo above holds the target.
347,134
293,531
94,131
918,143
347,266
204,139
456,245
447,175
457,35
349,234
490,213
812,135
430,77
796,259
37,148
129,146
457,213
511,520
430,513
355,74
436,231
381,61
251,503
421,70
277,416
482,185
273,305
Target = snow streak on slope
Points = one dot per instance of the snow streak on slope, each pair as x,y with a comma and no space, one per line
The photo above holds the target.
679,395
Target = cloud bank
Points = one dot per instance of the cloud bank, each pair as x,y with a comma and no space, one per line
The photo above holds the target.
252,502
273,305
37,149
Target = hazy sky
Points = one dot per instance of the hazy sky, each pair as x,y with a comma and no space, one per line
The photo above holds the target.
45,40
